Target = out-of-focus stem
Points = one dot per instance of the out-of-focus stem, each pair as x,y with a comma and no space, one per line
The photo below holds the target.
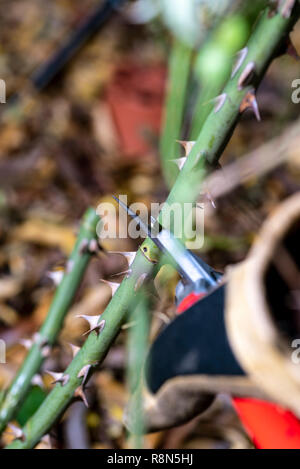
136,349
178,75
62,300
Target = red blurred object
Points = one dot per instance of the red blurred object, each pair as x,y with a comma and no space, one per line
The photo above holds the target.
268,425
188,301
135,98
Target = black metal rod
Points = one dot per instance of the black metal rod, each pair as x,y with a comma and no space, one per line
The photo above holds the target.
45,74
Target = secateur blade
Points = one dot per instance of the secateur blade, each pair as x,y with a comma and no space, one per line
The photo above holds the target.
192,269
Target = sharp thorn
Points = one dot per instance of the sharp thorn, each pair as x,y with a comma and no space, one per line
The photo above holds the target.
93,246
16,432
180,162
246,75
56,276
84,246
39,340
74,349
250,102
209,197
114,286
187,145
45,351
219,102
37,380
140,282
130,255
127,272
27,343
94,323
240,57
204,198
80,393
58,377
83,373
46,440
92,320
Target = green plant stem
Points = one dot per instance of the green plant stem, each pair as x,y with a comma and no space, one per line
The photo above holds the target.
213,65
266,41
269,34
62,300
137,346
93,352
179,70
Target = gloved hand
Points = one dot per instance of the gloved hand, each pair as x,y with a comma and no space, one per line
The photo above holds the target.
237,340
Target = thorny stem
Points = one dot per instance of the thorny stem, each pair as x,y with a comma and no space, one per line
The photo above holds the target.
47,335
179,70
269,34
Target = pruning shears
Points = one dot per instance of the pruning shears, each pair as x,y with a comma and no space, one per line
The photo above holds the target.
198,278
193,354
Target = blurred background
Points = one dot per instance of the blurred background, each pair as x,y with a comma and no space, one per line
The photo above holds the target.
107,123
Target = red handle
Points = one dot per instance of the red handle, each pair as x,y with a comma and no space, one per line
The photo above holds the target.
188,301
268,425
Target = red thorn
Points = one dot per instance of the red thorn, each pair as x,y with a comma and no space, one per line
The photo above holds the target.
250,102
187,145
80,393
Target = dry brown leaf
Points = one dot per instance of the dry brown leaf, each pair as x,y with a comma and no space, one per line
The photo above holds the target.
46,234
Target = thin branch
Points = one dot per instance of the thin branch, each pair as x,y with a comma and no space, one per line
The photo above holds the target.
44,340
